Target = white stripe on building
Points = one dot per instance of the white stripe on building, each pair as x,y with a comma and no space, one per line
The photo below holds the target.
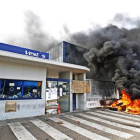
21,132
101,127
57,135
114,118
118,115
110,122
79,130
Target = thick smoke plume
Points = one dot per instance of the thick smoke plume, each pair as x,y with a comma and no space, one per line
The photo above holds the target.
38,38
114,55
35,36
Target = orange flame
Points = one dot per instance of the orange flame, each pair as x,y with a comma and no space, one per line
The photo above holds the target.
114,104
126,100
132,107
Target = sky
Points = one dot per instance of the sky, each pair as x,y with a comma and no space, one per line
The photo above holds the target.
55,15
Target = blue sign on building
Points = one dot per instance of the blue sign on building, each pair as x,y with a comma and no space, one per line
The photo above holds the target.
24,51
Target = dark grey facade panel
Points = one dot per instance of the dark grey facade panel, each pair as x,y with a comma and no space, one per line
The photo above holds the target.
74,54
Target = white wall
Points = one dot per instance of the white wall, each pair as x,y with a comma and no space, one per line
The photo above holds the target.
52,74
18,71
82,76
81,96
64,75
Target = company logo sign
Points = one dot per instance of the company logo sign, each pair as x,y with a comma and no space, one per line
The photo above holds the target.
23,51
36,54
43,56
31,53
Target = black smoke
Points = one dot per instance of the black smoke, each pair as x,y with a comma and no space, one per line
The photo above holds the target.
38,38
35,37
114,54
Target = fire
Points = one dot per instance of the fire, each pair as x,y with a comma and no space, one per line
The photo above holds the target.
114,104
126,104
133,107
126,100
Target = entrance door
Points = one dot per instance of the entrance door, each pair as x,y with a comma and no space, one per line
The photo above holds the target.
63,95
74,101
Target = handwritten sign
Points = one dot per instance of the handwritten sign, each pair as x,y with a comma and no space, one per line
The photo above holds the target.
80,86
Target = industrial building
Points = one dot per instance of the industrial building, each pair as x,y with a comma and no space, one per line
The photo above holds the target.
70,53
24,77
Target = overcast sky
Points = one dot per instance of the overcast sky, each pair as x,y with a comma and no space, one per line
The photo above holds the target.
54,15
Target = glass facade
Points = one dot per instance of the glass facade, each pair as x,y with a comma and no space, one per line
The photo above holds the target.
56,53
70,53
62,92
74,54
31,89
11,89
19,89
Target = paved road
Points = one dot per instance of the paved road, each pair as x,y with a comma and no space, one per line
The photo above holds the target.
96,125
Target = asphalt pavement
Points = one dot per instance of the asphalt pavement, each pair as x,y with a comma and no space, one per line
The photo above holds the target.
95,124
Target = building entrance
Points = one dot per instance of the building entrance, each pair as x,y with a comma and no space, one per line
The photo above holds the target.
62,86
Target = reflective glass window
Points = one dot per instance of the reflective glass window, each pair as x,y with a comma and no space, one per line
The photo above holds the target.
32,89
56,48
19,89
52,56
64,96
60,50
67,59
64,86
57,54
52,84
64,102
60,59
11,89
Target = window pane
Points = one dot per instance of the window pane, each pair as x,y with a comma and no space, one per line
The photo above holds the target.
32,89
53,55
67,59
52,50
60,59
64,98
51,84
60,51
63,85
50,56
64,102
72,60
57,54
11,89
56,48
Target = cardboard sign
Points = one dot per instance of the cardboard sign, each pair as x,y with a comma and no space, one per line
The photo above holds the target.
10,106
80,86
